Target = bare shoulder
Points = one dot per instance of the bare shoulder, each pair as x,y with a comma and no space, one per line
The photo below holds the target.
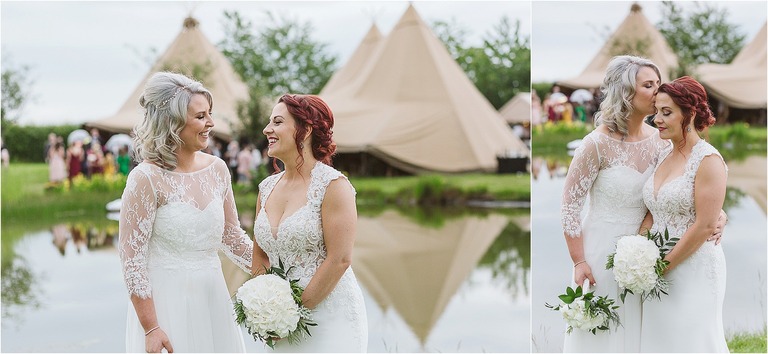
339,195
340,189
712,163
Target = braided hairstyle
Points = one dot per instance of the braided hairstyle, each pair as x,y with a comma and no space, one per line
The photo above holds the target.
690,96
310,111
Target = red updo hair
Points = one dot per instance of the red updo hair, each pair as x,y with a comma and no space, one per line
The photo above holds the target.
311,111
690,96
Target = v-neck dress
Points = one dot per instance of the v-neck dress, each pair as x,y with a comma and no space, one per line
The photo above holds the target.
690,318
342,324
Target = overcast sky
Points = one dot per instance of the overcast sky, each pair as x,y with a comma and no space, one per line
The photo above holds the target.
87,57
566,35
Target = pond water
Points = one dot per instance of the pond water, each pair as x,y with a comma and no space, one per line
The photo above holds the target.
459,284
744,244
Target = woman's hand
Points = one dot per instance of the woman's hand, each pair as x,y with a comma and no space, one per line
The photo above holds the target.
582,271
156,341
722,220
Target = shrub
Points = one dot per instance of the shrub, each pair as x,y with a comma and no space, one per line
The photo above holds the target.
27,143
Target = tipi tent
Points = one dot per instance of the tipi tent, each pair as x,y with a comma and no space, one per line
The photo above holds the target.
413,107
635,33
192,54
742,83
356,63
518,109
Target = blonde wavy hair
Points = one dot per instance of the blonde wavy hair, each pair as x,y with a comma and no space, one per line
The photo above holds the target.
165,100
618,90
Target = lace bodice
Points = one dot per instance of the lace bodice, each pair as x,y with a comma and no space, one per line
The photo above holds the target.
299,243
672,205
298,240
612,173
178,220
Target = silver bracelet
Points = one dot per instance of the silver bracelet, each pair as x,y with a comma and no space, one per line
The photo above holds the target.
150,331
579,262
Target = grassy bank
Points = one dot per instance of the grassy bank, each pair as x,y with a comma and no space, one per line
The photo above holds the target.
442,189
24,194
734,141
748,342
24,197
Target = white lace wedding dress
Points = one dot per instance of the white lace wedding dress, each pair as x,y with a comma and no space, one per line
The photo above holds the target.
172,226
342,324
610,174
690,318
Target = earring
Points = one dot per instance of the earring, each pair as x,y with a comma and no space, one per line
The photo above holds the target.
301,145
688,129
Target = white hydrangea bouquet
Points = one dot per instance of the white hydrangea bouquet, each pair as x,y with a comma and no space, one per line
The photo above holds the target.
270,307
583,310
638,264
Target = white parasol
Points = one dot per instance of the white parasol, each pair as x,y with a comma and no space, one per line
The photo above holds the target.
78,135
117,141
581,96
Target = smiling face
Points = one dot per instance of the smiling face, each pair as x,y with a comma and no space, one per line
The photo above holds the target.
198,125
647,82
280,133
669,118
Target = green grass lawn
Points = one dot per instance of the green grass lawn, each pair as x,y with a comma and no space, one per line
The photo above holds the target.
734,141
496,186
748,342
24,197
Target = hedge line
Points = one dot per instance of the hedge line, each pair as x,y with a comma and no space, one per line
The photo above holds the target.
27,143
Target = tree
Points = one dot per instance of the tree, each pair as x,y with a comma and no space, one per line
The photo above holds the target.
453,35
282,58
15,92
702,36
509,70
500,67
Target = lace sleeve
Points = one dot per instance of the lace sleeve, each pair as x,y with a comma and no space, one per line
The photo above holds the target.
581,174
236,244
137,216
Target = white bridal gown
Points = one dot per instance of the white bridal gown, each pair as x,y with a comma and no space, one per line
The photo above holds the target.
172,226
690,318
611,173
342,325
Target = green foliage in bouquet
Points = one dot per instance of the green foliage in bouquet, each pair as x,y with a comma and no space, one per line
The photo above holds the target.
597,312
305,315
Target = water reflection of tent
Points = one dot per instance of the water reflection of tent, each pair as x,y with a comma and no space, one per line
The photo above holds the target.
742,83
635,33
518,109
417,270
193,54
413,107
749,176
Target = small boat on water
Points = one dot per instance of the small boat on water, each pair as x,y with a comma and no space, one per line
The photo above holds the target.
573,145
114,206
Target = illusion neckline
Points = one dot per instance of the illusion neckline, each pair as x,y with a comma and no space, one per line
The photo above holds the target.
624,141
213,162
